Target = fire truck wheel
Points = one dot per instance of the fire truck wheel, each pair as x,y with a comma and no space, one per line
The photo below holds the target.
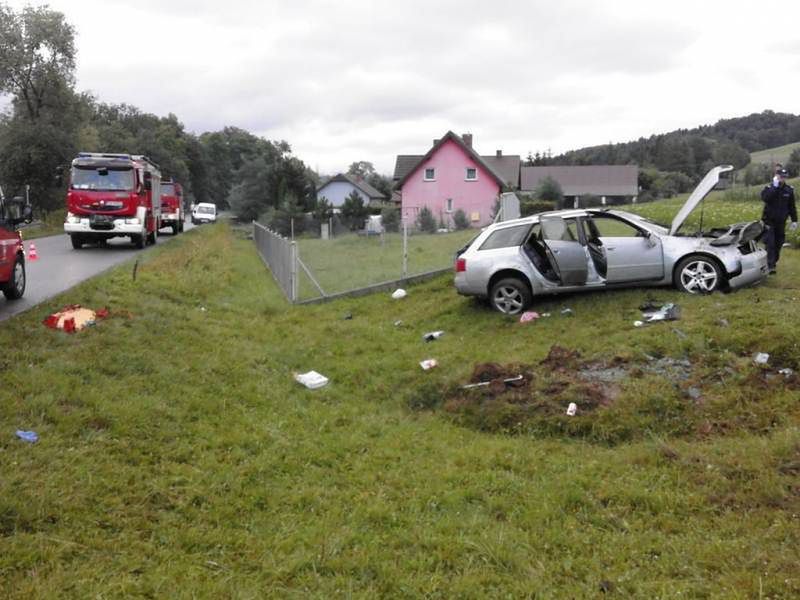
151,238
139,241
180,226
175,229
77,242
15,287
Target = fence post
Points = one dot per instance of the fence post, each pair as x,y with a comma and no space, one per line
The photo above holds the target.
405,249
294,271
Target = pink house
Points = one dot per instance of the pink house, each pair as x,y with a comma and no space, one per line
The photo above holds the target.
453,176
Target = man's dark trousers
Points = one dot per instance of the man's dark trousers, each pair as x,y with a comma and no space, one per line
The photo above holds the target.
773,239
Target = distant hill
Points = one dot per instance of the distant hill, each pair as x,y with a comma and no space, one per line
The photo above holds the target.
693,151
772,155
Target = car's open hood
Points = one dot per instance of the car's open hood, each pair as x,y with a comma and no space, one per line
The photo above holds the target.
701,191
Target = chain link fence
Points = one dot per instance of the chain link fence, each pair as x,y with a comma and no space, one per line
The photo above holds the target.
313,269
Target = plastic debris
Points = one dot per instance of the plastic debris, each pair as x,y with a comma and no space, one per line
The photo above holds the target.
348,317
428,364
638,323
567,312
312,380
761,358
485,383
28,436
667,312
399,294
572,409
723,323
398,323
528,316
203,309
545,315
73,318
432,335
787,372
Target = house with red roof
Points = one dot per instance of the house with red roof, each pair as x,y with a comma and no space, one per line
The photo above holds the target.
452,176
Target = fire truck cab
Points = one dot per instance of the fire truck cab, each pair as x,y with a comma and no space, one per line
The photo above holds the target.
12,253
113,195
172,213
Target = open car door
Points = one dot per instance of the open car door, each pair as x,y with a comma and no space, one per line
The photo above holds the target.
565,253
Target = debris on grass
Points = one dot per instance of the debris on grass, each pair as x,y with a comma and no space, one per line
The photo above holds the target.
638,323
28,436
567,312
399,294
528,316
74,318
432,335
667,312
398,323
509,381
347,317
761,358
312,380
572,409
428,364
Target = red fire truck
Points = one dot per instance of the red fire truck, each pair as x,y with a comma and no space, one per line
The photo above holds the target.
12,253
172,214
113,195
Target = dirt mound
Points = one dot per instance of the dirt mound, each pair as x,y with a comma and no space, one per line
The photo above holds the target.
560,358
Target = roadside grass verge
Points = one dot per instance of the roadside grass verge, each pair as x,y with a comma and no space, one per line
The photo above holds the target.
179,458
51,224
352,261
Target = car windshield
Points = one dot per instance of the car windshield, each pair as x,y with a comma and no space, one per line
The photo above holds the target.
167,189
206,210
102,178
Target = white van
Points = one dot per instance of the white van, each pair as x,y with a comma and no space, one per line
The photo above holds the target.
204,212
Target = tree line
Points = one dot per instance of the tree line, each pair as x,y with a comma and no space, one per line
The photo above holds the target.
47,122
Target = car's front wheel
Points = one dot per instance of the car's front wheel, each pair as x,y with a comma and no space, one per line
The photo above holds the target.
15,288
698,275
510,296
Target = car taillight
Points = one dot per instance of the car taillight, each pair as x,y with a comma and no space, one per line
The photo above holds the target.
461,265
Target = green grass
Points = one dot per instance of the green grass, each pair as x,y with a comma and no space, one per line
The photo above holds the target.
772,155
178,458
351,261
51,224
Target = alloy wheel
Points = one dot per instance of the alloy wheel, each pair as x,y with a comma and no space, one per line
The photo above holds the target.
699,277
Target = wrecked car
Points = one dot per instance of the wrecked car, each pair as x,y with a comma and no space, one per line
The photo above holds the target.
574,250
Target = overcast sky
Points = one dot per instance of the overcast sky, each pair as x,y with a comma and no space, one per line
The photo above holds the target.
356,80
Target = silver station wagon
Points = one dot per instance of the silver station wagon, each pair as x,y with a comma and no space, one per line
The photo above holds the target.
512,262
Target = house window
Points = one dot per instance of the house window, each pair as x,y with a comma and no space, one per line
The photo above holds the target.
430,174
449,205
472,174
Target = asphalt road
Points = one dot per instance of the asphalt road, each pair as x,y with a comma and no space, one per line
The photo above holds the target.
59,267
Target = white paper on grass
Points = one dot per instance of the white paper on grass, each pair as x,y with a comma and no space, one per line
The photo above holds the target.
312,380
399,294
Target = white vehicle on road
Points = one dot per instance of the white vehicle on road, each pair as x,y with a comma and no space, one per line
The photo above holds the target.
204,212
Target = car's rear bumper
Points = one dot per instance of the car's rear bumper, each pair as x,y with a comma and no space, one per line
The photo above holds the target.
753,270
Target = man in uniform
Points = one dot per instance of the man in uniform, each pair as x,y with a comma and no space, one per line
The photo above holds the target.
779,203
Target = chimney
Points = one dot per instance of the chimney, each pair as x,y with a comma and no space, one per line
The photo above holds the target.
467,137
499,153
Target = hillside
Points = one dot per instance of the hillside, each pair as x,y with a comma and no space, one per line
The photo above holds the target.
770,156
691,152
187,462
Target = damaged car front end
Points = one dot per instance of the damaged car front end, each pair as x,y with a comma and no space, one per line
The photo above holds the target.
512,262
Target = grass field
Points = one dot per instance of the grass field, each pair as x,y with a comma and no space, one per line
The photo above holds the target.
178,458
772,155
351,261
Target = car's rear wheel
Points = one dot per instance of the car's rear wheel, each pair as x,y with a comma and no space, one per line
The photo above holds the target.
510,296
15,288
698,275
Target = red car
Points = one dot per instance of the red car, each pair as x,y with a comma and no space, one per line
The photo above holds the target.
12,253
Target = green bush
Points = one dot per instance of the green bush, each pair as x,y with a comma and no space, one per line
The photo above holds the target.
460,220
532,206
390,217
426,221
550,190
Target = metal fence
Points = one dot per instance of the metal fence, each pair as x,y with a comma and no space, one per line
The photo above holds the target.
280,255
352,265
